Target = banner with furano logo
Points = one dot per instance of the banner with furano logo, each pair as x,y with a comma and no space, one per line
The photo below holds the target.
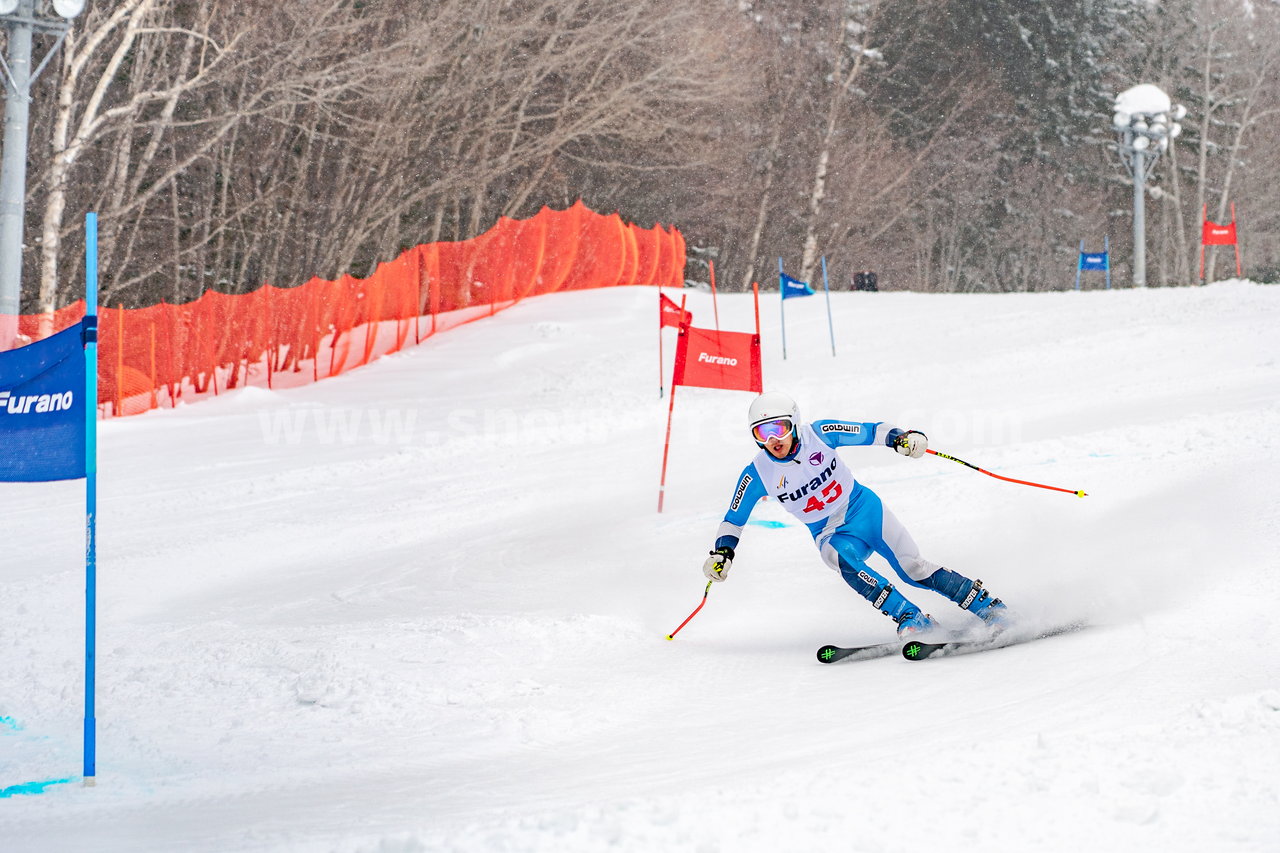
1219,234
706,358
710,358
49,431
42,414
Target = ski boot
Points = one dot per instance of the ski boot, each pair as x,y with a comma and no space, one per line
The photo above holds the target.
990,610
914,625
868,583
971,596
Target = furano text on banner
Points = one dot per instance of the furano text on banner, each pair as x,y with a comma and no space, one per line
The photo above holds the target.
42,414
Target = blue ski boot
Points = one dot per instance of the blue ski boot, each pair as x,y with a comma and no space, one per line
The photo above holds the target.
911,621
914,625
971,596
990,610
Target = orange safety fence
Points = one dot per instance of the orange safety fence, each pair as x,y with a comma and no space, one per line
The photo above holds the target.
158,356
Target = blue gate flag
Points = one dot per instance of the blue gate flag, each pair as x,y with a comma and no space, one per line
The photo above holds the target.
42,409
1095,261
794,287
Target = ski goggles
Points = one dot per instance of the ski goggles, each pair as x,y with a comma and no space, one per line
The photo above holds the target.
780,428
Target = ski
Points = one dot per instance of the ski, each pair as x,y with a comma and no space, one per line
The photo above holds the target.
831,654
917,650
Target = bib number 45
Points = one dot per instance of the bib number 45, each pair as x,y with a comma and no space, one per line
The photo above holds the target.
829,495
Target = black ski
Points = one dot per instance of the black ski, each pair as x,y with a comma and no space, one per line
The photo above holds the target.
831,654
916,650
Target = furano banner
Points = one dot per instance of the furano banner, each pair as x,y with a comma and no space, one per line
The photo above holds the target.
42,414
706,358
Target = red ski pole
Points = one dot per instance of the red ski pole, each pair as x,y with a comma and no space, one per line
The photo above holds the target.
1075,492
672,635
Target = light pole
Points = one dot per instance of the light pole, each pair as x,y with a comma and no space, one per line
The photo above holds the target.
1146,121
22,18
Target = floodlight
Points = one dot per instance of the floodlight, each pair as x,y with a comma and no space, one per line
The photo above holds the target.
8,7
1179,112
1144,120
68,8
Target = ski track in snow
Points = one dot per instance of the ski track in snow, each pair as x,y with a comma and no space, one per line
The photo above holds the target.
421,606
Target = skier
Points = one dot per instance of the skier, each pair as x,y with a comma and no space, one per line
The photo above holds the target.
798,465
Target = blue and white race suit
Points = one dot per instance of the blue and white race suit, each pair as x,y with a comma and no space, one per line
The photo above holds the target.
847,520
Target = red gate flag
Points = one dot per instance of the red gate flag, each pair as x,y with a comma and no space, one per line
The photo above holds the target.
706,358
671,314
1218,235
1215,234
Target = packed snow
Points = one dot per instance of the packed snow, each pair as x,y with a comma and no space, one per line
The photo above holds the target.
423,606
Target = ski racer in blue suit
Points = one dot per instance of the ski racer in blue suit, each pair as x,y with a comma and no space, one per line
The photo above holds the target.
798,466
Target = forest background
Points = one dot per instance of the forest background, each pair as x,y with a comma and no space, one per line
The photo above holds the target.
948,145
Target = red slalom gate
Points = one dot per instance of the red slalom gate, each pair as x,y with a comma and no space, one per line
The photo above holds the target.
709,358
1216,234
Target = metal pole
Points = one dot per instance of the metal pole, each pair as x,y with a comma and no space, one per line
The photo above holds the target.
1139,220
827,290
782,291
681,347
13,173
1079,263
91,497
1106,247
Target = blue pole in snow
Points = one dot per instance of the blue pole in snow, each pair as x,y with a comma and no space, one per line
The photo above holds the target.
830,327
1106,245
782,291
90,489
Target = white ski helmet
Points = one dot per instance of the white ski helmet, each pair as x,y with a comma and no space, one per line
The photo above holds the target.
771,406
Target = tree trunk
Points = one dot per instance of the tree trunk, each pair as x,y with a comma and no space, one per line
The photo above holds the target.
67,148
762,212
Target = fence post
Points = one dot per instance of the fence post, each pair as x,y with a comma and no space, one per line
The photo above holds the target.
155,403
119,402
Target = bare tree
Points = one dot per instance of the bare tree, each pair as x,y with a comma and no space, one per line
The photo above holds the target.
227,143
1248,100
92,68
850,55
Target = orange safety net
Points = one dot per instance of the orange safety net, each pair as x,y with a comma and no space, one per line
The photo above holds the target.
281,337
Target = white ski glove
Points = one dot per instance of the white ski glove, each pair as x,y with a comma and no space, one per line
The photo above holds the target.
716,567
911,443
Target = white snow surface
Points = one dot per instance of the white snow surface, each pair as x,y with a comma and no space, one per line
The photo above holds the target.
423,606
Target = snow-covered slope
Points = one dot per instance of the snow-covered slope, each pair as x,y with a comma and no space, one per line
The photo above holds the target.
422,606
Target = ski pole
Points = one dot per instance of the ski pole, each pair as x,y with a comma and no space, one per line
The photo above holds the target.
672,635
1078,493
